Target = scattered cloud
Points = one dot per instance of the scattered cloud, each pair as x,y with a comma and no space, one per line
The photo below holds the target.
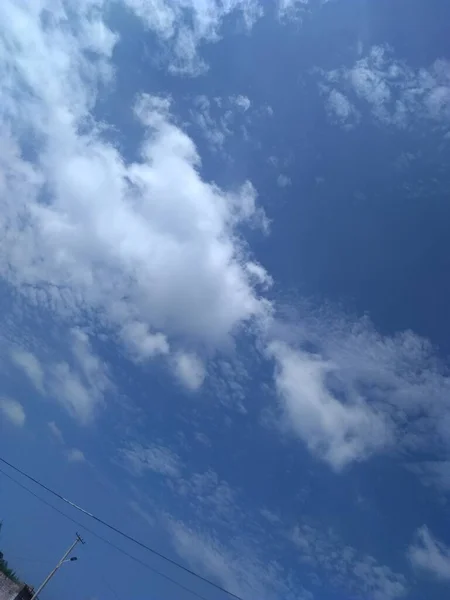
391,91
429,554
238,568
80,385
361,575
283,181
158,459
76,456
211,499
242,102
292,9
182,27
222,118
13,411
56,431
78,380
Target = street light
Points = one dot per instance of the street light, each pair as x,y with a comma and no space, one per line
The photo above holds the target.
63,560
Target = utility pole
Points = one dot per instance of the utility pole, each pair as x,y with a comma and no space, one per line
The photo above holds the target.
58,566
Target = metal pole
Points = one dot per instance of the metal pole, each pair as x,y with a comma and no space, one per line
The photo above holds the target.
50,575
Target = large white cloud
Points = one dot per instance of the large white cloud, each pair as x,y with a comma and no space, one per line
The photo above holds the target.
148,247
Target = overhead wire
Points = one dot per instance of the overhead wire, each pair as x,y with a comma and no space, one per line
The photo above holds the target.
122,533
103,539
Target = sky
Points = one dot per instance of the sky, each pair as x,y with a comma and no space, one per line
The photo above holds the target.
224,296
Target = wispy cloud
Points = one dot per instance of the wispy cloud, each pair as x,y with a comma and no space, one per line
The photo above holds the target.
239,569
429,554
158,459
361,575
292,9
56,431
30,366
13,411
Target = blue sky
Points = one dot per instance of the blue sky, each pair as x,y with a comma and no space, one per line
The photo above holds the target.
224,295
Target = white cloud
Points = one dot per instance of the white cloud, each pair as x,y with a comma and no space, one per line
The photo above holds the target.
291,9
189,370
148,248
242,102
283,181
339,107
30,366
151,458
259,275
430,554
221,118
212,499
338,431
13,411
81,385
183,26
239,569
347,391
76,456
143,343
345,569
56,431
74,375
393,92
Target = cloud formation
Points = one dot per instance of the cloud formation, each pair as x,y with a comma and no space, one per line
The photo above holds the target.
147,248
13,411
239,569
362,575
337,431
348,392
74,455
389,90
429,554
78,383
139,459
183,26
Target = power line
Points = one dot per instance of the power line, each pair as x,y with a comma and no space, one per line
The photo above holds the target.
122,533
104,540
